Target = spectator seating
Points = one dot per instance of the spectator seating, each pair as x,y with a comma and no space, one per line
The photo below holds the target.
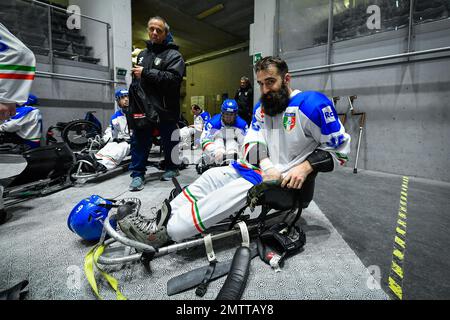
29,22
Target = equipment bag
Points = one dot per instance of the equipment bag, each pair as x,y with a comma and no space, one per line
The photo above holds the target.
142,114
45,162
279,242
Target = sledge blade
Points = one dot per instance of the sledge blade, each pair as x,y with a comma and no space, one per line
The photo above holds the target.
194,277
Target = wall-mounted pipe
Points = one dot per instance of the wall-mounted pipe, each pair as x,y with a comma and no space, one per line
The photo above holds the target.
216,54
329,67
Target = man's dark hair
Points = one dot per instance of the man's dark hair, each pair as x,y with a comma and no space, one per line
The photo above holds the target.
196,107
266,62
166,25
244,78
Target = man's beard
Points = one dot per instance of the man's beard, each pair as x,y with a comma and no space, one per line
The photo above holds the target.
275,102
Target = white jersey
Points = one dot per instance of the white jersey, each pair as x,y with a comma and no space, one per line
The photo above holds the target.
17,68
309,122
118,128
114,153
201,120
27,124
216,132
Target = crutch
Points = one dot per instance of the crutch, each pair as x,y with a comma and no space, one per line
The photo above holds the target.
362,121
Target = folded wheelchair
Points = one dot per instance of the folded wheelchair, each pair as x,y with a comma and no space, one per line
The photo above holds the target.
77,133
274,229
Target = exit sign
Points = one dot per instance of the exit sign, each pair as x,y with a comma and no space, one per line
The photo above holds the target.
257,57
121,72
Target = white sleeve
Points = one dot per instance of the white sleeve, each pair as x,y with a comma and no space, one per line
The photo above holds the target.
16,55
331,134
254,134
13,125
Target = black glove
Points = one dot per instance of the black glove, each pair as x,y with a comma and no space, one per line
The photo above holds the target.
255,196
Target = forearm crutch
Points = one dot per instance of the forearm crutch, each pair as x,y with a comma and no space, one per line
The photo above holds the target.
362,121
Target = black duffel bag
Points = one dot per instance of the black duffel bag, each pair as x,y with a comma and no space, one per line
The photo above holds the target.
141,114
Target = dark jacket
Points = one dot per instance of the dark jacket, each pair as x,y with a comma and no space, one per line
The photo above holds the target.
161,78
244,99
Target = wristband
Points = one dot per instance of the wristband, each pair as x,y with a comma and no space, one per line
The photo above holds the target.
266,164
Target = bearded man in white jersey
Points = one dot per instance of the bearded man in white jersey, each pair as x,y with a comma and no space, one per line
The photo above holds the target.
293,135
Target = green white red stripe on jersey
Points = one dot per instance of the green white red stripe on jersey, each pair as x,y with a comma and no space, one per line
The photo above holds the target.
17,72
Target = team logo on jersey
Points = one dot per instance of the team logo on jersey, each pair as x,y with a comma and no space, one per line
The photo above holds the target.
3,46
157,61
328,114
289,121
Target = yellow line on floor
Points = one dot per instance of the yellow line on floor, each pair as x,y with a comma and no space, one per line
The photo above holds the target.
398,255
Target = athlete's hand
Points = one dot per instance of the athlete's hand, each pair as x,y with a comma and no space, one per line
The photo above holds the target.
271,174
137,71
218,157
297,176
7,110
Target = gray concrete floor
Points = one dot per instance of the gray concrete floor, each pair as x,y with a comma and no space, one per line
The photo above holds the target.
35,244
364,207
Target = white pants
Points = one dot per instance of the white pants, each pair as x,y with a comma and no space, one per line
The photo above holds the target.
213,197
227,147
113,154
186,134
18,68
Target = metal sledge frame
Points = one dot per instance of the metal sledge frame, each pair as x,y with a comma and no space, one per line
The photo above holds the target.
19,194
149,253
94,145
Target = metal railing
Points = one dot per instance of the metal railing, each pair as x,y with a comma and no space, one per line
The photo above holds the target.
329,67
354,62
52,41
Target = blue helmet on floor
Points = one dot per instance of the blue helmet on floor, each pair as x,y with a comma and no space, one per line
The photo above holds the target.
229,105
121,93
86,218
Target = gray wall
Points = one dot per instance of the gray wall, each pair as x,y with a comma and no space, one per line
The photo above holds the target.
63,99
215,77
406,103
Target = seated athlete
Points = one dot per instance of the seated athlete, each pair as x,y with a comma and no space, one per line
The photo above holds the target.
200,119
25,127
224,134
293,135
116,137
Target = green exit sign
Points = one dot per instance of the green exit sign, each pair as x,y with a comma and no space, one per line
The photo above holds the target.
121,72
257,57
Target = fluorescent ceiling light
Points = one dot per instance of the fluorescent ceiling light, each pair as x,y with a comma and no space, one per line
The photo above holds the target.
210,11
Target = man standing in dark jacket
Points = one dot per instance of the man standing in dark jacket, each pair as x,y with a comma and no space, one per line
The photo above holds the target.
160,67
244,99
